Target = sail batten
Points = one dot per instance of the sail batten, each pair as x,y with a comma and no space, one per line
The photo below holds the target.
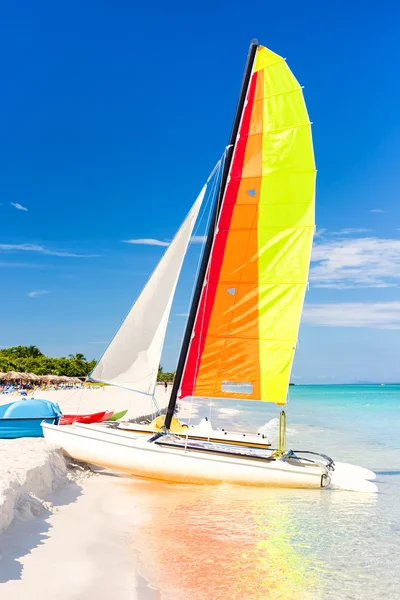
246,327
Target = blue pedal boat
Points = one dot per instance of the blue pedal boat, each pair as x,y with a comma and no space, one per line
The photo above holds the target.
23,418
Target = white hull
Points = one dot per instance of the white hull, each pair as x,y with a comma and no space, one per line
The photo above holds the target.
125,452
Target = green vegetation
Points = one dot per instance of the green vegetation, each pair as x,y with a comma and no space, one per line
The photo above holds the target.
29,359
169,377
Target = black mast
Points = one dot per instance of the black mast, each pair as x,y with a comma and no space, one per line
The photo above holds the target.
210,236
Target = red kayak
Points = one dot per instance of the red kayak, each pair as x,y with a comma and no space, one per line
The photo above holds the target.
91,418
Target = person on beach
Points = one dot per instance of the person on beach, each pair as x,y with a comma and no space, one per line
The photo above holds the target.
165,385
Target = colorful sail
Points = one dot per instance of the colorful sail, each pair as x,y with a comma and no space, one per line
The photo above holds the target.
132,359
247,322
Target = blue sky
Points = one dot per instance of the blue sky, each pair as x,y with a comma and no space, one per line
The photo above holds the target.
114,114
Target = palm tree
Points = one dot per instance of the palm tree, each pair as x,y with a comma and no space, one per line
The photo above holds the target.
78,357
33,352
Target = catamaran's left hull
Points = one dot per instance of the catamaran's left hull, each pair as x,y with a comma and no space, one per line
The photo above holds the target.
135,455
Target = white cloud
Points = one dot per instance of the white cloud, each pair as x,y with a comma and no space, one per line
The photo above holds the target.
18,206
41,250
355,263
350,231
147,242
320,232
378,210
373,315
36,293
195,239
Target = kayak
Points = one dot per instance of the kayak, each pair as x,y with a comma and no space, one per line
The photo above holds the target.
90,418
117,415
108,415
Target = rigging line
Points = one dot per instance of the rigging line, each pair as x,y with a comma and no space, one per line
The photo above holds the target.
80,399
215,174
69,397
217,166
155,406
212,192
205,299
206,291
209,201
207,205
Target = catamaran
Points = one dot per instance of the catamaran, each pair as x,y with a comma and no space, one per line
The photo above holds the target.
243,323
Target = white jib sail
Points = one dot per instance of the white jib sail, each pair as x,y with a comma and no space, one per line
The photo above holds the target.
132,359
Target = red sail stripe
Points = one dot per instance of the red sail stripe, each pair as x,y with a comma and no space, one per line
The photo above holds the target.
214,267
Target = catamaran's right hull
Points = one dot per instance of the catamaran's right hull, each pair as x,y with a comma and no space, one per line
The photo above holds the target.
136,456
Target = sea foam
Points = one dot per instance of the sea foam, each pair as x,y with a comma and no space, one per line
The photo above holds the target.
270,429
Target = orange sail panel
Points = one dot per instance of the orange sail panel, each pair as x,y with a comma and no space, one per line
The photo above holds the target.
246,327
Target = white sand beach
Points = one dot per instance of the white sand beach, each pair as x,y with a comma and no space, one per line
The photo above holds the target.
30,473
87,400
30,470
78,548
41,522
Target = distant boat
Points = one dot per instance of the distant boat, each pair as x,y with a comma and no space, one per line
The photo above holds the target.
243,323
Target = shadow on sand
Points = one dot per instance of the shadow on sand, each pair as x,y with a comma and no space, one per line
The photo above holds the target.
26,534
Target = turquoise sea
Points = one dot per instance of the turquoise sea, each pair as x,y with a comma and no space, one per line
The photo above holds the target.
220,542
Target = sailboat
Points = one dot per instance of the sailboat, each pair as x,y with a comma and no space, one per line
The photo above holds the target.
243,323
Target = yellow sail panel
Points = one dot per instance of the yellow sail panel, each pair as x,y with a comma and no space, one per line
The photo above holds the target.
247,323
285,222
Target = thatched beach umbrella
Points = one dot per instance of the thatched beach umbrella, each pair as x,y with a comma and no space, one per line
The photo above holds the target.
59,378
14,376
47,378
33,377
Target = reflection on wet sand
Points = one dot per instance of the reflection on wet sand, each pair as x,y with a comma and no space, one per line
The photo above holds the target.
221,542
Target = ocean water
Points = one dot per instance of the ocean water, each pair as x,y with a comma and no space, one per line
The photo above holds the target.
219,542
